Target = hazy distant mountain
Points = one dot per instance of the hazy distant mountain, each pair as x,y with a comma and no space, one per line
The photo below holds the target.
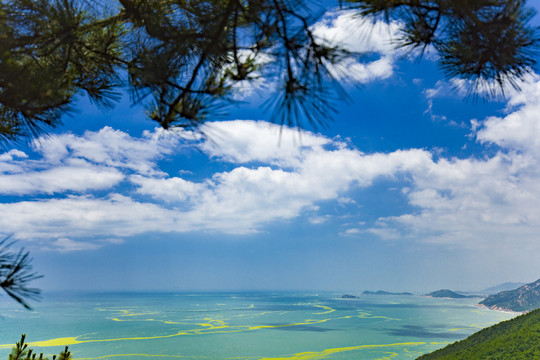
382,292
445,293
515,339
526,297
348,296
502,287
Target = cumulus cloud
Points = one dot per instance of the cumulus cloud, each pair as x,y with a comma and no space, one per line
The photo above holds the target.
520,129
93,161
109,147
481,203
272,179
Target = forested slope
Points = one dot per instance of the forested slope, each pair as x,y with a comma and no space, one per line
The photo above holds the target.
515,339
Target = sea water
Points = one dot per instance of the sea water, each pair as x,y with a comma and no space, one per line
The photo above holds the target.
244,325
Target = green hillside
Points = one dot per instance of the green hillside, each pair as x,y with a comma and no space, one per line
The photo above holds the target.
514,339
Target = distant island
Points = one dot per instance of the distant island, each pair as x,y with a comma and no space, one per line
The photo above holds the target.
524,298
445,293
381,292
514,339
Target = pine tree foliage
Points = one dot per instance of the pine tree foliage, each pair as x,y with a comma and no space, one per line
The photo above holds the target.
16,274
21,352
487,42
181,58
184,59
49,52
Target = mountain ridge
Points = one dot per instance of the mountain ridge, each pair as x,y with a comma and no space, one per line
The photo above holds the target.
502,287
524,298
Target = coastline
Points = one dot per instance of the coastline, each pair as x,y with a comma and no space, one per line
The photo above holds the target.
499,309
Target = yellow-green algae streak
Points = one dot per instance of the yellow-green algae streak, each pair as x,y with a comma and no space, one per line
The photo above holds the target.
309,355
211,326
313,355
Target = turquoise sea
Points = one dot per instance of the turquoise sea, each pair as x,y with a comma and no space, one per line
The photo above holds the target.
243,325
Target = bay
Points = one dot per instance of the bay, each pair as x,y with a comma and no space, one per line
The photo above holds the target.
241,325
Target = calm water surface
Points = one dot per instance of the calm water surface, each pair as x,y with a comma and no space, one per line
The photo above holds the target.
219,326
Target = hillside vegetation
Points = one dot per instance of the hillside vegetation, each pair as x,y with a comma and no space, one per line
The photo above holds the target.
514,339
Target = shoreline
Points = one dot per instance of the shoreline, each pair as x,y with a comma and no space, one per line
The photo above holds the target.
503,310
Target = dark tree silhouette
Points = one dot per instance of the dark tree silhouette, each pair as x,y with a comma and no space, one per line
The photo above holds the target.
21,352
16,274
488,42
182,58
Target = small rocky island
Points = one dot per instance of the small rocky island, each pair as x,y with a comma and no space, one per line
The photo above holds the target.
449,294
381,292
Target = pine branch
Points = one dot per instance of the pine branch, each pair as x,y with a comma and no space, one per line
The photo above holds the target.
16,273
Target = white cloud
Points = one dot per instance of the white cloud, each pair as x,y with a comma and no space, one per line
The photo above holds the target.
520,129
486,203
109,147
374,43
243,199
358,34
304,169
467,202
12,154
66,245
169,190
441,88
244,141
315,220
365,37
93,161
84,216
76,177
351,231
375,70
385,233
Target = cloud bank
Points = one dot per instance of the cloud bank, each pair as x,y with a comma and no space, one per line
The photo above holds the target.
72,191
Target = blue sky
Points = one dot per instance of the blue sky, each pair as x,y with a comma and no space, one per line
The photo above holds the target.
412,187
